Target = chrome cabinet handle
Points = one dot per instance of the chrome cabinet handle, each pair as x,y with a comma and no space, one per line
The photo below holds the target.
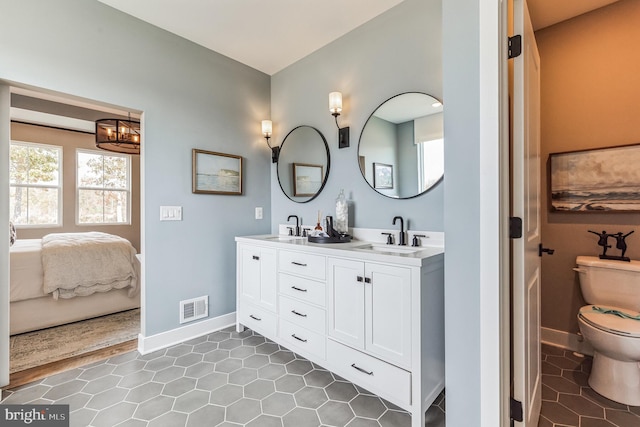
298,338
354,366
298,314
298,263
298,289
255,318
257,258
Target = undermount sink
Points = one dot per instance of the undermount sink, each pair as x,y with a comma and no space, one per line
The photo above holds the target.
390,248
283,238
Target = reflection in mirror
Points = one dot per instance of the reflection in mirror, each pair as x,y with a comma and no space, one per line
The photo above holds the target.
303,164
401,149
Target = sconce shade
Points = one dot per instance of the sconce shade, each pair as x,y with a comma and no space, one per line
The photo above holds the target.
118,136
335,103
267,128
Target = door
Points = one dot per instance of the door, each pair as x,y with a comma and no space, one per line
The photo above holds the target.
345,302
259,276
526,205
387,293
5,136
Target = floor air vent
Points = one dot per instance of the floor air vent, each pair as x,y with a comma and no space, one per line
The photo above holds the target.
193,309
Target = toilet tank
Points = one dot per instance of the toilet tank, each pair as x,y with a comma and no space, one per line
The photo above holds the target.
609,282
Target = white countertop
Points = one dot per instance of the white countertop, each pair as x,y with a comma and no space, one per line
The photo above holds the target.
363,250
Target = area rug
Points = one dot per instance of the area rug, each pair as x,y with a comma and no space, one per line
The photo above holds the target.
38,348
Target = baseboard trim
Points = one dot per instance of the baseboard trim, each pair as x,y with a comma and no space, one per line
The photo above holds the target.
566,340
185,333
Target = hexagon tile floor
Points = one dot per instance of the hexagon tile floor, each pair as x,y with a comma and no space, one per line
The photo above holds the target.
567,399
222,379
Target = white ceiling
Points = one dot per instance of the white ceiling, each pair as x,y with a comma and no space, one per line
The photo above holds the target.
270,35
267,35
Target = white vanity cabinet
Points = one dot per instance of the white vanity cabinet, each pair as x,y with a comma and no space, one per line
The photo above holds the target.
257,287
369,306
375,319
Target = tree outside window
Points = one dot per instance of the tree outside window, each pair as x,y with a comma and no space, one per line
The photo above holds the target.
104,188
35,179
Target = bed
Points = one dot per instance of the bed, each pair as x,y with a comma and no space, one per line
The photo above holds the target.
67,277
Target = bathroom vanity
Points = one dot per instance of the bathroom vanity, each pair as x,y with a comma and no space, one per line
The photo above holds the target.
371,313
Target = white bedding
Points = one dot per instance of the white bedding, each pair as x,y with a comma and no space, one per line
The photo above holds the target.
80,264
25,267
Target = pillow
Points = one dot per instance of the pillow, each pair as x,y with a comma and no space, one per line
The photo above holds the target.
12,234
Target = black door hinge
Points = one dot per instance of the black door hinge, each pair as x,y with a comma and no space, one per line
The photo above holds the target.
515,410
515,46
515,227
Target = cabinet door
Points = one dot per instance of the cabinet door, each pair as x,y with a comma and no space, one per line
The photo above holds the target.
258,282
345,301
388,313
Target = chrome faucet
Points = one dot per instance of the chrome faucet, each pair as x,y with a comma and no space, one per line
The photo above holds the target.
297,223
401,237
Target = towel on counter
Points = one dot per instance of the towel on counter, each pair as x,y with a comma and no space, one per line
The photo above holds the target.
616,313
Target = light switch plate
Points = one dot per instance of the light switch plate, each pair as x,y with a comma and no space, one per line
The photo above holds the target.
170,213
258,213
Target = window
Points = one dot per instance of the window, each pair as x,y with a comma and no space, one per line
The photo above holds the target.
104,188
35,184
430,163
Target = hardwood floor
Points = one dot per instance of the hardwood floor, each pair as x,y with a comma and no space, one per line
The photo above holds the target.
20,378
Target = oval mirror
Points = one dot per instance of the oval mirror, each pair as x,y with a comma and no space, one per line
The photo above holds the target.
401,148
303,163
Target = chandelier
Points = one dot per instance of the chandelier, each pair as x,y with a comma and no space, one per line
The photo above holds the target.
118,135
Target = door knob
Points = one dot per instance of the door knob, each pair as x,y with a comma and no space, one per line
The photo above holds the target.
542,249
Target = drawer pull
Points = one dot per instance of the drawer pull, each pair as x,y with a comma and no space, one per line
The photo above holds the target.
298,338
354,366
298,314
298,289
257,258
298,263
255,318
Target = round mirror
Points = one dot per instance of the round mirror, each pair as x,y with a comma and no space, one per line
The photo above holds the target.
303,164
401,149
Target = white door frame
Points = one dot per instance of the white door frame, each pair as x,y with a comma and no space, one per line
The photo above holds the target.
5,141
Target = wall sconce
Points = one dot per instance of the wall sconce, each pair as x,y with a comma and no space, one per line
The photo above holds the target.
335,107
267,129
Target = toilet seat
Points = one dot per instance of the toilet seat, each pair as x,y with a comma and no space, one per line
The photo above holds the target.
610,322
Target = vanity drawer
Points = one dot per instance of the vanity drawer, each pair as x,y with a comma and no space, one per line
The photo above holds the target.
303,289
303,314
313,266
303,340
379,377
257,319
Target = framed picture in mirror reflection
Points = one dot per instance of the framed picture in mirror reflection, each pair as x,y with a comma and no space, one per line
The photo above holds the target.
382,175
307,179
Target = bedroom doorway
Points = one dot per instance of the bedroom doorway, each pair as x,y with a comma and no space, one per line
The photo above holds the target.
60,186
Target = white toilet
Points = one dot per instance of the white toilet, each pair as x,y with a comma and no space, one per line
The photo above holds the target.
612,285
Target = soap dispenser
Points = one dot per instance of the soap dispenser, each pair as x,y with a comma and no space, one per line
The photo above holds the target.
342,213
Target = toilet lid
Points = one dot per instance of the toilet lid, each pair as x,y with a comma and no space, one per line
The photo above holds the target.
611,322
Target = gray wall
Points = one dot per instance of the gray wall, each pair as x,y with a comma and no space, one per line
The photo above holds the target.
399,51
191,98
379,145
407,170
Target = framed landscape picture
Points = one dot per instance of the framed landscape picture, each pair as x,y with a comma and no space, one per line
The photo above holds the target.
216,173
307,179
382,176
598,180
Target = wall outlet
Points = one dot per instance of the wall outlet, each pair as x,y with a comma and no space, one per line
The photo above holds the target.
258,213
170,213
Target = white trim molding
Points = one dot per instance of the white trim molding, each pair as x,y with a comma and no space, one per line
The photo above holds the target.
566,340
176,336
